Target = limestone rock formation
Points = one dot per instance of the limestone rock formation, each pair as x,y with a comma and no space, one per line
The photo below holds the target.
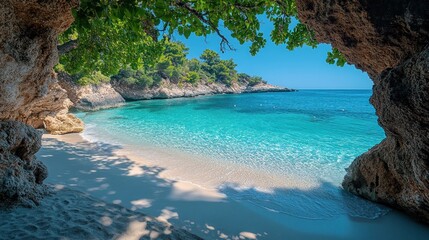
171,90
62,124
28,52
389,40
21,174
373,35
90,97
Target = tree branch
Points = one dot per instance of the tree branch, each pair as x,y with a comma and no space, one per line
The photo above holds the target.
67,47
201,17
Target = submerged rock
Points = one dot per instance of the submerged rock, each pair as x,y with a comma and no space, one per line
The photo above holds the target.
389,40
21,174
90,97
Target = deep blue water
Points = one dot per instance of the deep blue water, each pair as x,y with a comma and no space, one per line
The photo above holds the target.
310,134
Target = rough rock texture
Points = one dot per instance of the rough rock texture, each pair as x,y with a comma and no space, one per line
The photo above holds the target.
169,90
51,113
62,124
28,53
91,97
396,171
389,40
21,174
373,35
55,102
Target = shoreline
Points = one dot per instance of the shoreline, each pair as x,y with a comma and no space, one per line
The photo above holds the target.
114,174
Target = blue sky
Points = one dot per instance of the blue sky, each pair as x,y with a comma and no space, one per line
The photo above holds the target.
302,68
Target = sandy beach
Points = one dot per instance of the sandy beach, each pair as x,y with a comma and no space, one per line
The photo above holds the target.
71,214
180,193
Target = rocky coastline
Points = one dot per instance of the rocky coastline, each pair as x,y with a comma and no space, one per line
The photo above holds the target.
116,92
90,97
169,90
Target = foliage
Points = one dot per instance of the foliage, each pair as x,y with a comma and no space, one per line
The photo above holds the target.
250,80
335,57
175,67
138,77
175,52
94,78
210,57
222,70
193,77
116,34
59,68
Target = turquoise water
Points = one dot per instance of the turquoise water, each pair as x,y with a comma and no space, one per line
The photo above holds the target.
311,134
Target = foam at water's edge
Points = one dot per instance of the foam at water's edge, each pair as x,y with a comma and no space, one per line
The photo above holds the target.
88,134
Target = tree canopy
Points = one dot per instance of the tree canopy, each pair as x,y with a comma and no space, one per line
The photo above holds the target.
109,35
174,67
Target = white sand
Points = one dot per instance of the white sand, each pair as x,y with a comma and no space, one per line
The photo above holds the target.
184,192
70,214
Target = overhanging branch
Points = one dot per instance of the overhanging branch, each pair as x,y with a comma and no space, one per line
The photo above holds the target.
67,47
202,18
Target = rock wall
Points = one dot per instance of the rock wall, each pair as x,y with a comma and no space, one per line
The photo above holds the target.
21,174
170,90
90,97
389,39
28,52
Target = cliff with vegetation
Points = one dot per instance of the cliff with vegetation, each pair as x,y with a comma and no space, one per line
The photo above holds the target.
90,96
176,76
172,76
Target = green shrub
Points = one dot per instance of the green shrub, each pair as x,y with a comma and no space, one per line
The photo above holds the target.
193,77
59,68
83,81
94,78
254,80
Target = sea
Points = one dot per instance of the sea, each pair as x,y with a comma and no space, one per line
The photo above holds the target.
312,135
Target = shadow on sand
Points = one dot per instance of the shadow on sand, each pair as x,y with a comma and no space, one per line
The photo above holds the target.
97,169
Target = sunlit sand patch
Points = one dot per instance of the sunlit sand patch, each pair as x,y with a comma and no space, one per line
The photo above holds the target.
141,203
59,187
210,227
191,192
135,170
247,235
135,230
106,221
101,187
167,214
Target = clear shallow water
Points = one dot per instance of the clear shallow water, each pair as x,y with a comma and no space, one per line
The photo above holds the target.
314,135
